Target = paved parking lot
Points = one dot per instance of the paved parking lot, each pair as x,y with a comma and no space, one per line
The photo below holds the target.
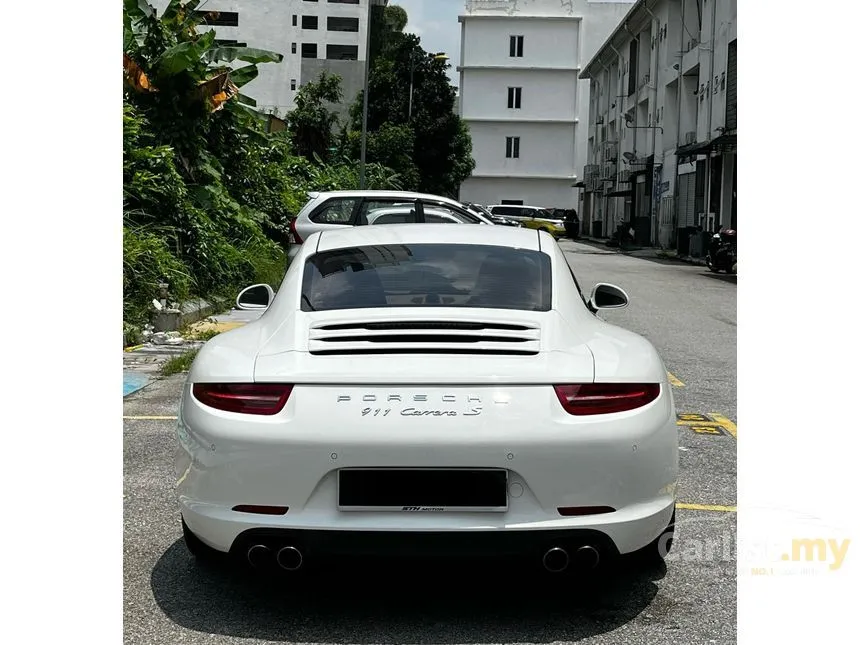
688,313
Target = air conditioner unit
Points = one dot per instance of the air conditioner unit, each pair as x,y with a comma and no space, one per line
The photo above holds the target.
689,137
610,151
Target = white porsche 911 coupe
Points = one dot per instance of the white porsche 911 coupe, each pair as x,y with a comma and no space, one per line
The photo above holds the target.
428,389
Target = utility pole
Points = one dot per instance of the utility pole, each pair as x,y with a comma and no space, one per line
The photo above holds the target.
361,180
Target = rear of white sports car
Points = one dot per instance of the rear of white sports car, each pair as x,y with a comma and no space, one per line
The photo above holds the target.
409,393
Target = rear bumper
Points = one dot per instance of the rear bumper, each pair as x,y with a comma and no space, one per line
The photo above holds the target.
553,460
624,531
475,544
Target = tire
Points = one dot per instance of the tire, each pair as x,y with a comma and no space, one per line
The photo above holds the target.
197,548
711,264
656,552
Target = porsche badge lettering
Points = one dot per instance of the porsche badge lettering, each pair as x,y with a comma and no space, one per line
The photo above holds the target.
464,405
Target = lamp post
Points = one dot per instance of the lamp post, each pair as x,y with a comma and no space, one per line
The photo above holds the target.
370,5
412,62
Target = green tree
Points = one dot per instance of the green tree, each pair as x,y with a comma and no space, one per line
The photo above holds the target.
208,193
440,140
312,123
395,17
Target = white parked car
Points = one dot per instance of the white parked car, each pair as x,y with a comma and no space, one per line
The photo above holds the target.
406,215
428,387
325,211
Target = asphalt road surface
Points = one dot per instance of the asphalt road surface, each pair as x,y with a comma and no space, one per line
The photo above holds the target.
688,313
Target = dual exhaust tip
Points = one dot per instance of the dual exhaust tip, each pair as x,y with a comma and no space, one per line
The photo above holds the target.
557,559
288,558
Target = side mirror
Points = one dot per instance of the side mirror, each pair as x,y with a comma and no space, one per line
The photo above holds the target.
607,296
258,296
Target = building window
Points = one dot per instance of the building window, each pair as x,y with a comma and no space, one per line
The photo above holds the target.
338,23
219,18
295,20
293,48
310,22
293,84
341,52
516,47
515,95
343,1
512,147
309,50
311,0
633,67
230,43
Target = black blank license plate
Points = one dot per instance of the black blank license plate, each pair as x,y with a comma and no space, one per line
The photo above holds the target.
397,489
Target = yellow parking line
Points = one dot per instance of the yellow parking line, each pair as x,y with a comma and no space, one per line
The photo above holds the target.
703,424
146,418
674,380
725,423
132,348
706,507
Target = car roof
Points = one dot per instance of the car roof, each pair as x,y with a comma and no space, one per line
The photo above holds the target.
521,238
381,193
517,206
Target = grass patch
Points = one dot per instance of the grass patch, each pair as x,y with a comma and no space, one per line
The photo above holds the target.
205,334
177,364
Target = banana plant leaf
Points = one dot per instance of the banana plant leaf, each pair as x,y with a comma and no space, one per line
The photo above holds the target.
244,75
135,76
245,54
181,57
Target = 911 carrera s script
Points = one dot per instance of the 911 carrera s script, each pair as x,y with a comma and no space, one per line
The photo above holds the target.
415,412
453,405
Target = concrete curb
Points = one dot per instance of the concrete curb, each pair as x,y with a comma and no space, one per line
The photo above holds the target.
641,252
194,310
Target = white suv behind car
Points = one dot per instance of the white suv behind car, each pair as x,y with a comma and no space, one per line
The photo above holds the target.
345,208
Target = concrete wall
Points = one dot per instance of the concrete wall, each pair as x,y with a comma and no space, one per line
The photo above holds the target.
548,193
352,79
546,42
546,94
546,149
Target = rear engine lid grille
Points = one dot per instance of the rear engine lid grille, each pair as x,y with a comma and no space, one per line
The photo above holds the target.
424,337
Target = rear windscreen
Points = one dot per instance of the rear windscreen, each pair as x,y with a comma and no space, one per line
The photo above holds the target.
427,275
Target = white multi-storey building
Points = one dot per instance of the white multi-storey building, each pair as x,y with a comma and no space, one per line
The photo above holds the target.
313,35
663,127
521,97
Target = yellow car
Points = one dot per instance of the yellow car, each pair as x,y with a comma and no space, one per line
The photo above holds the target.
531,217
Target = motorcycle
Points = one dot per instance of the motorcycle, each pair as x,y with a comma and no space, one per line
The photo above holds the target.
722,254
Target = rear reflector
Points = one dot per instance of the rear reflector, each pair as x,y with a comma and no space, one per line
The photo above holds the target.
296,238
261,510
572,511
605,398
245,398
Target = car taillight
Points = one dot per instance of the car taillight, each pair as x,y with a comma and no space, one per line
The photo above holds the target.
605,398
246,398
294,232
